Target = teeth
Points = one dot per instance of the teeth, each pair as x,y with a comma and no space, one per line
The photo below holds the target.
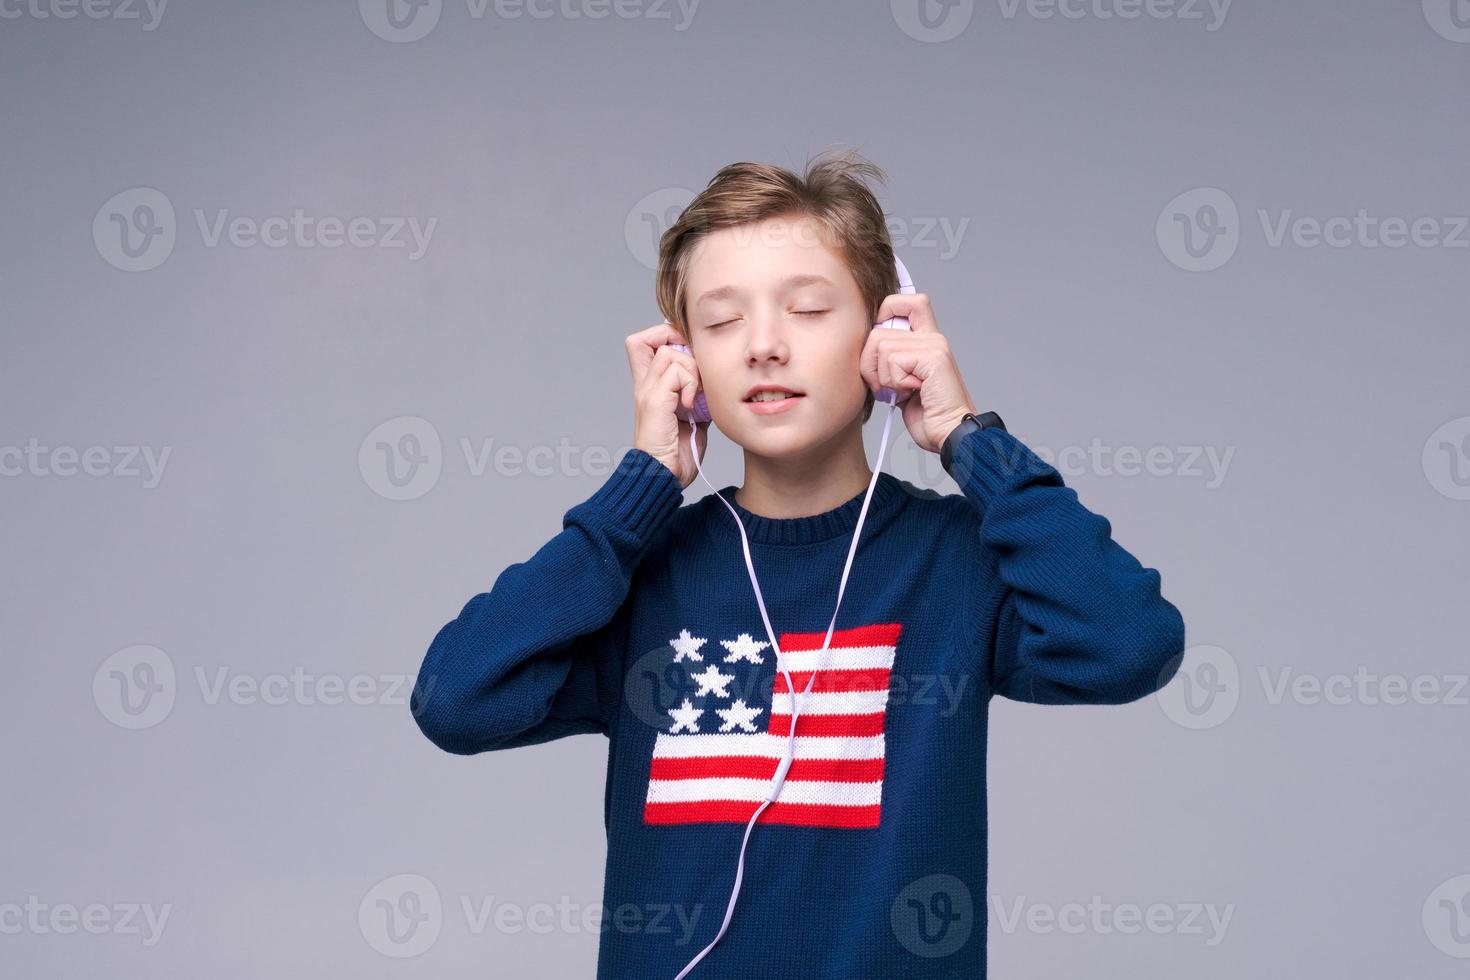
769,396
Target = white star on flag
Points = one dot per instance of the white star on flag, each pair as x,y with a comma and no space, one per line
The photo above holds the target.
687,646
686,716
746,647
711,681
738,715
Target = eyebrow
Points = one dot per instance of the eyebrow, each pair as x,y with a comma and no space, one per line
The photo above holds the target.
791,282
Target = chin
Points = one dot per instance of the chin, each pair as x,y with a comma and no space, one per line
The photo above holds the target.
784,443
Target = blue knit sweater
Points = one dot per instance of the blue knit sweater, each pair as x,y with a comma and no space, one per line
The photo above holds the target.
637,621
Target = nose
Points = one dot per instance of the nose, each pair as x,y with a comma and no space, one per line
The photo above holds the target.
766,339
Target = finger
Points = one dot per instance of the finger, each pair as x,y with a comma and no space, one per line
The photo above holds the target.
644,342
640,357
914,306
690,364
660,334
890,346
689,376
650,368
644,345
666,355
674,377
661,379
681,381
904,368
903,357
689,388
678,356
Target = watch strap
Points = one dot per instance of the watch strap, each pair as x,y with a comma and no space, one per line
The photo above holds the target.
969,423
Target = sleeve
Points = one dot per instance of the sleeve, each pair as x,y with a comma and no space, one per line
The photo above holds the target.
540,655
1069,616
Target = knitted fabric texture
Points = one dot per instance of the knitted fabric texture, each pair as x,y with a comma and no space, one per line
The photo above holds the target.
637,621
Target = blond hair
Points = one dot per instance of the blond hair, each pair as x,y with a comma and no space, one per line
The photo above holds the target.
833,191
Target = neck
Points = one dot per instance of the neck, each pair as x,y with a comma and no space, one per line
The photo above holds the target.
811,483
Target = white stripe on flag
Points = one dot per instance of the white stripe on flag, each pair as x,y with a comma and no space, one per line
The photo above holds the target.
750,790
832,702
764,744
837,658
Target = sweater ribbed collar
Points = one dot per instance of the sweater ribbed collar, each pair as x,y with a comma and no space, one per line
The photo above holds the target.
888,497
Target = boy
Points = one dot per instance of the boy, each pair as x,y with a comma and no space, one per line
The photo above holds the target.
637,620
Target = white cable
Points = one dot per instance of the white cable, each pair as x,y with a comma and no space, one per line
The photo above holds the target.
785,765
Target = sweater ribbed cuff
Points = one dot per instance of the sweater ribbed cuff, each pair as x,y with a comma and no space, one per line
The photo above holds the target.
639,496
989,461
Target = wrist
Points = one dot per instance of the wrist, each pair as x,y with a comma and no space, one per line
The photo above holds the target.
969,422
947,429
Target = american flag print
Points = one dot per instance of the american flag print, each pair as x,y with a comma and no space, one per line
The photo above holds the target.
715,760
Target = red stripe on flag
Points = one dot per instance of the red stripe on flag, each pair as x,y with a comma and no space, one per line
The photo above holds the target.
757,767
879,635
852,726
800,814
864,679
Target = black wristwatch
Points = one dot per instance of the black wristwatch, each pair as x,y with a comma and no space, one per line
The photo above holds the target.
970,423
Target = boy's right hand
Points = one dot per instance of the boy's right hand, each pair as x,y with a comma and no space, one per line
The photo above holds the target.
664,378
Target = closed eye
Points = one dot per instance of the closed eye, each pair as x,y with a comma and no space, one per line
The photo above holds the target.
797,312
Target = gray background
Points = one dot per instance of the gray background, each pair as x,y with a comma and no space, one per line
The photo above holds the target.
547,149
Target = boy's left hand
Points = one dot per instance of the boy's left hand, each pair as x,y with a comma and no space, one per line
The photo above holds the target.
917,360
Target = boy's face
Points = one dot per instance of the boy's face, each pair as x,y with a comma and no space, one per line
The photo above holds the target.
772,303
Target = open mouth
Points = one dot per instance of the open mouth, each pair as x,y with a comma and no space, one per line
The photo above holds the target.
761,397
